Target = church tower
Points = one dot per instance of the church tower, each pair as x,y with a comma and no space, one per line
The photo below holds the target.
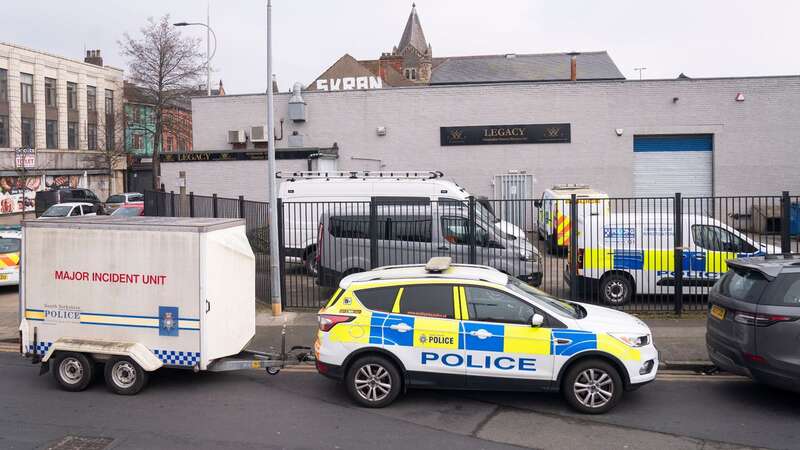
415,51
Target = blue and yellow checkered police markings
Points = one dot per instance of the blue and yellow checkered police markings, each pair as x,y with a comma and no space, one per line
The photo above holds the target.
470,327
633,253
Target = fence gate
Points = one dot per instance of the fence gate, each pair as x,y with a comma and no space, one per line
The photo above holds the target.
510,188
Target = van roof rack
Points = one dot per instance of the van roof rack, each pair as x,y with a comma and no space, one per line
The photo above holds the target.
362,174
558,187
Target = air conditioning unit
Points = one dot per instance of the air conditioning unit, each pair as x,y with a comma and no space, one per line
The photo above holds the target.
237,137
258,134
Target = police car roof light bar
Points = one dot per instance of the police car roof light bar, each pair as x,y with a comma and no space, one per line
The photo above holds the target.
356,174
438,264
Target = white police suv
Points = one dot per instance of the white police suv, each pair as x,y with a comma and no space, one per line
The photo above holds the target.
455,326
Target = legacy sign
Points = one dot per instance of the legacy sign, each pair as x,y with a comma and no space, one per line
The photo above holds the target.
349,83
550,133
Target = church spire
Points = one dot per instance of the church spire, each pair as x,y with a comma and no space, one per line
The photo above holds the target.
413,35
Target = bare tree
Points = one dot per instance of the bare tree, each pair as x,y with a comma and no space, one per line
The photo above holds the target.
110,155
167,67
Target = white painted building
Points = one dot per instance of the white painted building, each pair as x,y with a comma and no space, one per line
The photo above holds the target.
721,136
65,110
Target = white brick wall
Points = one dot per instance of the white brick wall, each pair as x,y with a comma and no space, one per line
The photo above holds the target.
756,141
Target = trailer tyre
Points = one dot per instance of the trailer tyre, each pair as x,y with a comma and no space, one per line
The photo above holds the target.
124,376
73,371
373,381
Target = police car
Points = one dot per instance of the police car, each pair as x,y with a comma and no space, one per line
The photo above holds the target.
456,326
10,245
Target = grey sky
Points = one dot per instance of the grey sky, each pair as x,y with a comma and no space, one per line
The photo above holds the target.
701,38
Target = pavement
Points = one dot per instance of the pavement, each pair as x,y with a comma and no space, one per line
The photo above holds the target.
680,342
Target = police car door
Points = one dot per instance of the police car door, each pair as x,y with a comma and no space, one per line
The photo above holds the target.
500,341
432,342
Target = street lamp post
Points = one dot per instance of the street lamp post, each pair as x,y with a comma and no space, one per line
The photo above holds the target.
274,250
209,53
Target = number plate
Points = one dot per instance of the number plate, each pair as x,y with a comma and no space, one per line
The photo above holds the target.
3,276
718,312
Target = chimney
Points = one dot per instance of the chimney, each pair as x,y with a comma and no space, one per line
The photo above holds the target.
573,65
93,57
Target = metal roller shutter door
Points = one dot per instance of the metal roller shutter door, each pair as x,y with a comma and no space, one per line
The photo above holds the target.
664,165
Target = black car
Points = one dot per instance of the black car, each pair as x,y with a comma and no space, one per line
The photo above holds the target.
46,199
752,326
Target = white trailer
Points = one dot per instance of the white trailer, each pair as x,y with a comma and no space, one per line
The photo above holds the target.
137,294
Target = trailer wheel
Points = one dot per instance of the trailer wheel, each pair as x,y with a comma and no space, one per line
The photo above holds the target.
73,371
124,376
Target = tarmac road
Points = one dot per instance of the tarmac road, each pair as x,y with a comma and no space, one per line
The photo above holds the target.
300,409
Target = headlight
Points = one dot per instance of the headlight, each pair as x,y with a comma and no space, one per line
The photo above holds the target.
632,339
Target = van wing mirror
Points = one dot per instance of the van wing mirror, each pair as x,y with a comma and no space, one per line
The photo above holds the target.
537,320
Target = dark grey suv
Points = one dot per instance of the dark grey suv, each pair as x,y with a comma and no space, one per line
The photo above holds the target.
753,326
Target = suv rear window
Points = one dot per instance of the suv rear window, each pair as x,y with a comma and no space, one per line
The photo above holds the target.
428,300
783,291
744,285
378,299
116,199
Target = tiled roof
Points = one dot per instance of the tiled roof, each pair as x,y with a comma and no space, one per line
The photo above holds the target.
413,34
537,67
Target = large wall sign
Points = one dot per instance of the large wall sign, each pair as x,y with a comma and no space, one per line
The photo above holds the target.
349,83
550,133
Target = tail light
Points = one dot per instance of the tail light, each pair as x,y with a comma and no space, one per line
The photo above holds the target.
320,237
579,263
760,320
328,321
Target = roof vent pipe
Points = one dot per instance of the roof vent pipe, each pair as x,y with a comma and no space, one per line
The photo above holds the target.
573,65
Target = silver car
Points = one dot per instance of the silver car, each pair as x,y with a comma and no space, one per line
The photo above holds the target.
413,234
113,202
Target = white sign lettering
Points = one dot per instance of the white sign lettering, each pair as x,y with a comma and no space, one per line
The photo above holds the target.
349,83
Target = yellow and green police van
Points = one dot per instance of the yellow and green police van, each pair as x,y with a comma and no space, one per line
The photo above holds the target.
627,254
456,326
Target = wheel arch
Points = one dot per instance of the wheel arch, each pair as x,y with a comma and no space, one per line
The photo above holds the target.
377,351
595,354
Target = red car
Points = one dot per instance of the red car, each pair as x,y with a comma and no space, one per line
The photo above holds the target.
129,210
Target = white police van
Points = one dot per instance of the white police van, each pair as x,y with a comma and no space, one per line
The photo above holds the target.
452,326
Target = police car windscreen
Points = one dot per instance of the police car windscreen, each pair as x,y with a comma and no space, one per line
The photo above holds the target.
561,306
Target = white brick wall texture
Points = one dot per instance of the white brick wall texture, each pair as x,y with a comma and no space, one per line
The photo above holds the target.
756,141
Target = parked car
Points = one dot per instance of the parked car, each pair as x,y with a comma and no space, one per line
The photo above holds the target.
414,234
113,202
306,195
752,325
71,209
10,246
129,210
627,254
46,199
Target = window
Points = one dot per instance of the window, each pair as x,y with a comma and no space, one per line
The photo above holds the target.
72,96
72,135
110,136
456,231
91,136
378,299
491,305
429,300
409,229
50,93
352,227
137,142
3,131
136,198
413,74
90,195
784,291
51,133
26,87
76,211
137,113
109,102
169,140
3,85
27,132
717,239
88,209
91,98
744,285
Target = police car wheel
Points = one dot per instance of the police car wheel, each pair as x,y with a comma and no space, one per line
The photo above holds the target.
616,289
124,376
73,371
373,381
592,387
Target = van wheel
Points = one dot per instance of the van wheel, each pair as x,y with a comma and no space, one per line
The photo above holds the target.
592,386
373,381
73,371
310,262
616,289
124,376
